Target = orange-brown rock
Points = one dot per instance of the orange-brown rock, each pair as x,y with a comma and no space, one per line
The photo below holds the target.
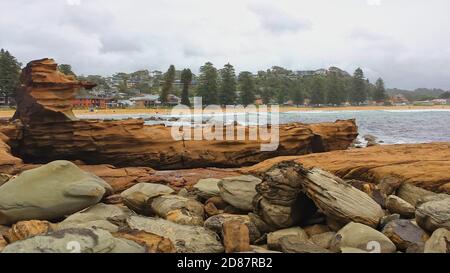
3,243
424,165
236,236
123,178
129,143
51,131
152,242
45,93
26,229
8,163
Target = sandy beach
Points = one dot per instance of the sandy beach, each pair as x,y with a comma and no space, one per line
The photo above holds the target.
6,113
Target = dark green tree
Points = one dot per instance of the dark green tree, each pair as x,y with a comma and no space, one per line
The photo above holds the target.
247,88
227,87
297,93
358,93
169,78
66,69
318,91
9,75
335,90
380,91
445,95
207,84
186,79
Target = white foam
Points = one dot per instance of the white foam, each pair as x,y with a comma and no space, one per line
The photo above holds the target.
416,110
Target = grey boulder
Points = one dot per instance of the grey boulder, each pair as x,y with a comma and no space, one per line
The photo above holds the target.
356,235
76,240
239,191
138,196
102,216
49,192
207,188
186,238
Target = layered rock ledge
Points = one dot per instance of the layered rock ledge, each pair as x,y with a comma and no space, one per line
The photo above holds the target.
424,165
50,131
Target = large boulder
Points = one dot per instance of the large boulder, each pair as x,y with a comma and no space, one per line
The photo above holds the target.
323,239
239,191
280,202
397,205
274,238
49,192
434,214
179,209
439,242
186,238
412,194
75,241
216,222
108,217
404,233
207,188
340,201
356,235
138,197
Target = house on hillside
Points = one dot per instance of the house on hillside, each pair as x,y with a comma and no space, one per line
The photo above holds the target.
90,101
145,101
173,100
399,99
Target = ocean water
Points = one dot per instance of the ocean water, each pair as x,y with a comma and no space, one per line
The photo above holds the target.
389,126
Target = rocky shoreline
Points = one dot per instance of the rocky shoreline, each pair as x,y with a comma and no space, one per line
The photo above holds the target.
118,186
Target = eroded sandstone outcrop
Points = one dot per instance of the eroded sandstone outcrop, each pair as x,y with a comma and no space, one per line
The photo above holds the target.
50,131
423,165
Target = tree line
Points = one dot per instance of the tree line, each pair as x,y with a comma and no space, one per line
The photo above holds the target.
225,87
275,85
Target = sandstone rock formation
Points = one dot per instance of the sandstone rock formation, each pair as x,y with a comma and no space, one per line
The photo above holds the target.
339,200
51,132
424,165
280,202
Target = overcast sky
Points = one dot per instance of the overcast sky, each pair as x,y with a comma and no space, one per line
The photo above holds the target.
406,42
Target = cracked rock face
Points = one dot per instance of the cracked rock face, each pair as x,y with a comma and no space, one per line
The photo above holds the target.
434,214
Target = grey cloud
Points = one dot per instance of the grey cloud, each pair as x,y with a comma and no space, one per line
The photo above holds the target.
107,36
278,21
